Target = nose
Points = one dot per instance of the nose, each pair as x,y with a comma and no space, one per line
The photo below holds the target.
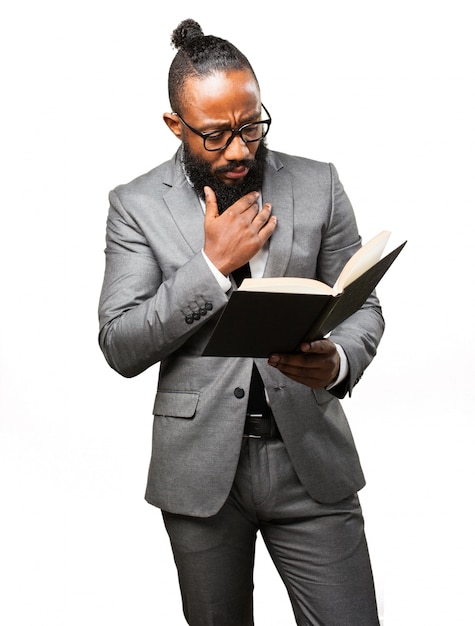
237,150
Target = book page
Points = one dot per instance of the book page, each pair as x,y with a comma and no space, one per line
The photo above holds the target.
285,284
366,257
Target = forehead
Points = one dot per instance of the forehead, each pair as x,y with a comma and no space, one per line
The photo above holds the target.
222,97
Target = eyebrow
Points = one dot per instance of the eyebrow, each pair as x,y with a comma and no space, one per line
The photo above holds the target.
225,126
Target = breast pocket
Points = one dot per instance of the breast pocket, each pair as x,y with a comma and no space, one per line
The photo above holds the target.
176,404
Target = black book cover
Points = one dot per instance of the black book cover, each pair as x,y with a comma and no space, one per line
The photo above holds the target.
256,323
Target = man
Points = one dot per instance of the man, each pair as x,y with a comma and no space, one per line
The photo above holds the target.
241,445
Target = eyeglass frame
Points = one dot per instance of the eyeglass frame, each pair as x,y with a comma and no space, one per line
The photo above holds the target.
234,132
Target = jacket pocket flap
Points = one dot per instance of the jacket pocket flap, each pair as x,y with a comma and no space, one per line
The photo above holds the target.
176,403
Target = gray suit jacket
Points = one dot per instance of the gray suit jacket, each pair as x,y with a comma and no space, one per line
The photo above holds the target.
156,278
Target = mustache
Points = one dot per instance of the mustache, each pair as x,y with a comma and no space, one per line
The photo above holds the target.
232,165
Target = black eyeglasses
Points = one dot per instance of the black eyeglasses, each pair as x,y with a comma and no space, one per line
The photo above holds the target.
220,139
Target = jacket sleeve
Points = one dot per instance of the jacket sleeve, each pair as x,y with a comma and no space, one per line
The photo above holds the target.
360,334
145,316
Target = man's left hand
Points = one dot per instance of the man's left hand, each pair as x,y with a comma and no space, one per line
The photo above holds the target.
316,366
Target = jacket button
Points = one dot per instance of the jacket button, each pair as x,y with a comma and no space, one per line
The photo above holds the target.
203,311
209,306
238,392
189,319
196,315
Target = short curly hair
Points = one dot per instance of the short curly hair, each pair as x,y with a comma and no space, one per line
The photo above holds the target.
199,55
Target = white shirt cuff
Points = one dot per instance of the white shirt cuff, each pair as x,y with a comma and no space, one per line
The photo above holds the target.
223,281
344,368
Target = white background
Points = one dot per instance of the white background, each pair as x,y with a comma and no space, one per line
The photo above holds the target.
385,90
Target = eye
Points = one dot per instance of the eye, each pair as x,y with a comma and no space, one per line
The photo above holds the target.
251,131
216,135
216,139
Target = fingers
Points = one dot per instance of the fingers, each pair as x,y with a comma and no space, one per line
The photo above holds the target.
249,202
245,209
211,204
263,216
319,346
235,236
316,366
262,222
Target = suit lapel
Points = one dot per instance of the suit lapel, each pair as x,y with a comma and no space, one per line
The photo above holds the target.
277,190
185,208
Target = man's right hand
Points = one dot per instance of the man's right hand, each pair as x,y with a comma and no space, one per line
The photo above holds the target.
235,236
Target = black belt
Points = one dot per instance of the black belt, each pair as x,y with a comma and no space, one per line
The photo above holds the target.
260,423
259,426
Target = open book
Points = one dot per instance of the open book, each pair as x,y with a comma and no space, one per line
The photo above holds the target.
268,315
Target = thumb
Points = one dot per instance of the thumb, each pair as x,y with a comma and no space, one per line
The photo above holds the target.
211,203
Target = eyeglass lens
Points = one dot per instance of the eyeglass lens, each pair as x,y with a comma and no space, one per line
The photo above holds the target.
250,132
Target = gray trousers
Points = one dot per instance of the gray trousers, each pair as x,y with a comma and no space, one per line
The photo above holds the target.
319,550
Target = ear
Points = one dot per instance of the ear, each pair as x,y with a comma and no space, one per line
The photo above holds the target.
173,122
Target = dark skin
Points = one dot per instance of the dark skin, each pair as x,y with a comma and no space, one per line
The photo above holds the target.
229,100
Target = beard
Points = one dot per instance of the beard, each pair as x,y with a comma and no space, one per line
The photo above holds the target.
199,172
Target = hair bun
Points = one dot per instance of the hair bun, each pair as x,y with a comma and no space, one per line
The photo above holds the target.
185,32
